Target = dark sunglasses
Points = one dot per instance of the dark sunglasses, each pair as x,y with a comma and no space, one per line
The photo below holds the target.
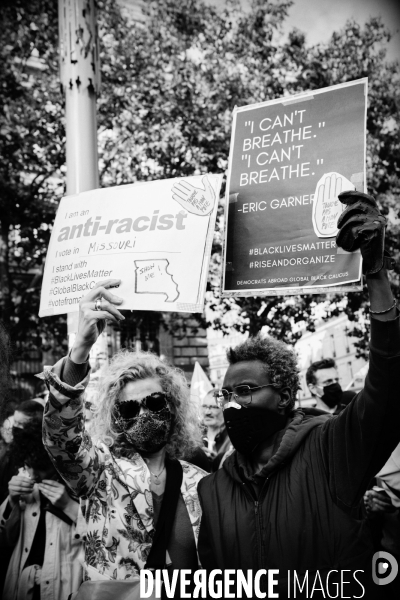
131,408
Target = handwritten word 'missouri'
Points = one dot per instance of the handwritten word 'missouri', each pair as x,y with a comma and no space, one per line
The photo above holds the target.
93,227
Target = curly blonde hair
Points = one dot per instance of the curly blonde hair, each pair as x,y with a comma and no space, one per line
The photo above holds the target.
129,366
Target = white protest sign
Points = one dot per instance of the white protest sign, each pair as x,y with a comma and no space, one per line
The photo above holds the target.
156,237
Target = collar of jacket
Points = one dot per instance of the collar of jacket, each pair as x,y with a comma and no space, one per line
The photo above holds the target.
221,435
239,466
219,438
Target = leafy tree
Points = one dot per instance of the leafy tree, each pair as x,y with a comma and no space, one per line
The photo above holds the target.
169,85
32,160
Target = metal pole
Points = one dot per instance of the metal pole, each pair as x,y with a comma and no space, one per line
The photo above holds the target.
80,82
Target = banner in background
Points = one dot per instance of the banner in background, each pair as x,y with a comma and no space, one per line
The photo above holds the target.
289,160
200,385
156,237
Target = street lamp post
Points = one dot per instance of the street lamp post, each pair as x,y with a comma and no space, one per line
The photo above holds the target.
80,82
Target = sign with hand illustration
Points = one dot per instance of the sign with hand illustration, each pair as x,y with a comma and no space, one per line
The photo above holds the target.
327,207
289,160
195,200
156,237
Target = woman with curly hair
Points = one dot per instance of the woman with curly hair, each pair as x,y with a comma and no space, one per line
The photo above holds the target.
138,497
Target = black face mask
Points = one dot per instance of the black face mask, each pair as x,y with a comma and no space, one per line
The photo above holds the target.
150,431
248,427
332,394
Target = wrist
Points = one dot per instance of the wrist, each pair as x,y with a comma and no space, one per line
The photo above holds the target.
379,276
80,351
381,298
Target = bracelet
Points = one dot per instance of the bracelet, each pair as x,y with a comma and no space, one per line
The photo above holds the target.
382,312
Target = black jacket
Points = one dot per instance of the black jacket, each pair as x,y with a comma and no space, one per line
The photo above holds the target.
303,511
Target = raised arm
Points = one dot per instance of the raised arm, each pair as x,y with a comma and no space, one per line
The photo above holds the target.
358,442
70,447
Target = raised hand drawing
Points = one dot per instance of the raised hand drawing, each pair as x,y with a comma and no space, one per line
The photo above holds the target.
327,208
195,200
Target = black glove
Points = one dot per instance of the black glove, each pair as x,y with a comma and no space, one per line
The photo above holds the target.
362,226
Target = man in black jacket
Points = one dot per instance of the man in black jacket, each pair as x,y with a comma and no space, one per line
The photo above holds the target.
289,497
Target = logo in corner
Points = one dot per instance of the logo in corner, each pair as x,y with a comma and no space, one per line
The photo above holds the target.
384,568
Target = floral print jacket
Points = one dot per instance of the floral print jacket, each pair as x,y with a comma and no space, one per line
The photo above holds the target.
116,500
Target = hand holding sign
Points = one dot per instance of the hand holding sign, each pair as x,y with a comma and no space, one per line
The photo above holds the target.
95,309
362,226
194,200
327,207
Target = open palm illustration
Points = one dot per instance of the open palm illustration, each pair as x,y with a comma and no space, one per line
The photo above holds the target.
195,200
327,208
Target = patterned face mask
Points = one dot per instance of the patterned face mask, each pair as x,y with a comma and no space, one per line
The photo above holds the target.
149,432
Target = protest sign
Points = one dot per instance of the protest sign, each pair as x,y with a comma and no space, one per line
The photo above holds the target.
289,160
156,237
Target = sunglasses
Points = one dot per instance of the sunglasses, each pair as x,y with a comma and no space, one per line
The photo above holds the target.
131,408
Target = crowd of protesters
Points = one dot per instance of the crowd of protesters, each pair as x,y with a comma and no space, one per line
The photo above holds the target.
96,493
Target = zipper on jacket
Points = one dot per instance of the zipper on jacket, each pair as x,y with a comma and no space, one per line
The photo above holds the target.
258,535
259,525
258,517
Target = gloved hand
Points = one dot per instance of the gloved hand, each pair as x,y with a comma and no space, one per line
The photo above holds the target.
362,226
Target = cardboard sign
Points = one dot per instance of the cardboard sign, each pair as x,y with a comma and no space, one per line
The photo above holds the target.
156,237
289,160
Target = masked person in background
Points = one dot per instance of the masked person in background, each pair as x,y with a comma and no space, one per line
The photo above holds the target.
29,411
41,527
216,439
140,501
289,497
323,382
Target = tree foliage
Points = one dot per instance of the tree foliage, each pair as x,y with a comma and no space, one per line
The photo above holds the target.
32,158
169,84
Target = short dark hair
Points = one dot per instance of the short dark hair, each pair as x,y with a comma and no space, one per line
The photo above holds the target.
31,408
27,447
325,363
280,361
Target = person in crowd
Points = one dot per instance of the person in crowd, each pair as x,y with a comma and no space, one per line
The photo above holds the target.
322,379
216,439
290,496
140,501
27,412
6,432
383,502
41,527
